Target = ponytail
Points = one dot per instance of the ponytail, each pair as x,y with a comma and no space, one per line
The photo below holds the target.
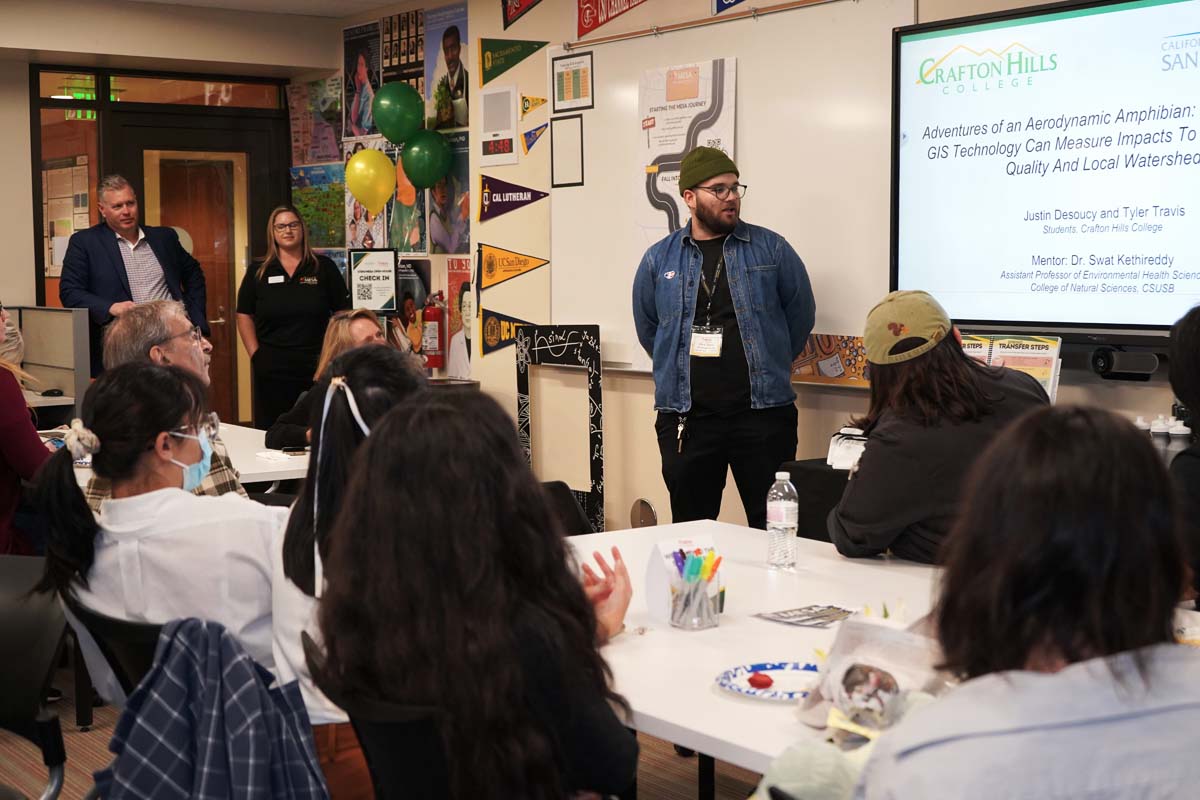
72,528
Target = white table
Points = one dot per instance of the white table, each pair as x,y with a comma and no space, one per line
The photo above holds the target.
36,400
668,675
243,445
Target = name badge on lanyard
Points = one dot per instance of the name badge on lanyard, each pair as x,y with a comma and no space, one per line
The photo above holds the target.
706,338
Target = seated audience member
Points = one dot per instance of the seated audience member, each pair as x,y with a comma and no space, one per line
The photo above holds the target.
933,409
356,389
161,333
21,449
346,330
443,570
1057,610
1183,364
156,551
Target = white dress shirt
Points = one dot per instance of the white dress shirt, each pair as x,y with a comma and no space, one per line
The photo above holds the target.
295,612
169,554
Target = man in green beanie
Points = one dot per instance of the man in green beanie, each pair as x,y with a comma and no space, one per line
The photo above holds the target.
723,308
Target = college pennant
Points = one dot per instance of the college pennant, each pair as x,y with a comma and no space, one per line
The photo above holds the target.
499,331
723,5
530,138
497,265
500,55
594,13
498,197
515,9
530,103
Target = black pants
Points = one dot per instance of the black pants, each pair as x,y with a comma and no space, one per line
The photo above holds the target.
279,378
752,443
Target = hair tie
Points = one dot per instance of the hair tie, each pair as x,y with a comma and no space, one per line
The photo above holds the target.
80,440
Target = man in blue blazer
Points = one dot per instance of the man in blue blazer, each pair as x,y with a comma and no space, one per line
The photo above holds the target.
112,266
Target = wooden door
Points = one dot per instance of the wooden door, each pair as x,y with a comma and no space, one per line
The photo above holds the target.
196,197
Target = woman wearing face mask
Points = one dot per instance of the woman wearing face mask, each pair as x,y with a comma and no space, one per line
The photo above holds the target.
156,552
283,307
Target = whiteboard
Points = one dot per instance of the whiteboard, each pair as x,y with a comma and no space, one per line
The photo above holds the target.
812,137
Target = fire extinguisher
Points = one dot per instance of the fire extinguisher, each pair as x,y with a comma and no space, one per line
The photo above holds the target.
433,330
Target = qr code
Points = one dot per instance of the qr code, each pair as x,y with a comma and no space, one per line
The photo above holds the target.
362,292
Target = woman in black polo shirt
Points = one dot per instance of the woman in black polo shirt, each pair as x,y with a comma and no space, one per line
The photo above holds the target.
283,306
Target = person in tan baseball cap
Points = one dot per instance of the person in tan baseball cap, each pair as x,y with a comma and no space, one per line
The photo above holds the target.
932,410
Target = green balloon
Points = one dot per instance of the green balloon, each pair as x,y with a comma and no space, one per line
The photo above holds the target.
426,158
399,111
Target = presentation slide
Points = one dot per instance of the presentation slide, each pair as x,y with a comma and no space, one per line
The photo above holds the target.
1049,166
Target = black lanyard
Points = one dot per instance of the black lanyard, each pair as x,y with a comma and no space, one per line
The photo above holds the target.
710,292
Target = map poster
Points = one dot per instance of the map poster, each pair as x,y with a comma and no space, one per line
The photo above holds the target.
318,191
679,108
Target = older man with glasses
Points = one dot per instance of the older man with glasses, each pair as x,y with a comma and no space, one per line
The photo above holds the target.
723,308
159,331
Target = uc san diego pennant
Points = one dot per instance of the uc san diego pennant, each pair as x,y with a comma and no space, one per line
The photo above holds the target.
499,330
500,55
498,197
498,265
530,138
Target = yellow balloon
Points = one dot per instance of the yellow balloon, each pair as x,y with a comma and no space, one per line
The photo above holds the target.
371,178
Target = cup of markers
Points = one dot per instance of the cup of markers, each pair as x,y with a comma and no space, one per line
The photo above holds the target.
695,590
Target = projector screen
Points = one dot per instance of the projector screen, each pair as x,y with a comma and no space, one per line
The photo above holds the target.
1046,166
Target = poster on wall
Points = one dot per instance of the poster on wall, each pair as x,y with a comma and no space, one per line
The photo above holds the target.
338,257
373,279
64,205
446,78
679,108
572,82
450,202
404,49
318,192
412,287
364,229
361,59
461,305
498,137
513,10
315,114
594,13
405,211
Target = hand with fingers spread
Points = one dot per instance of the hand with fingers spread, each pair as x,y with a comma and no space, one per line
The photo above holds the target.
609,593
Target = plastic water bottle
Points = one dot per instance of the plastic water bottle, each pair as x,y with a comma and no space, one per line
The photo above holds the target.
783,512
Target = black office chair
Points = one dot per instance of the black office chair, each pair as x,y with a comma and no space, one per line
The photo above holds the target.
127,647
819,488
566,508
32,629
402,744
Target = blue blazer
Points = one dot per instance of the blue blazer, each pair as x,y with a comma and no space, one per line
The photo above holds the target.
94,277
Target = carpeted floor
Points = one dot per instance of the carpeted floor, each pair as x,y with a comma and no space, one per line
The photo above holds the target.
662,775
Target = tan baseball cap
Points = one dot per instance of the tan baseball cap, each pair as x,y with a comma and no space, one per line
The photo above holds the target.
903,316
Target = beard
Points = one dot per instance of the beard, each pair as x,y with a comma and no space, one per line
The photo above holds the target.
713,218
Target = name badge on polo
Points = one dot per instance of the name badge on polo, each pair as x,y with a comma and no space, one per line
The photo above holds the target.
275,279
308,280
706,341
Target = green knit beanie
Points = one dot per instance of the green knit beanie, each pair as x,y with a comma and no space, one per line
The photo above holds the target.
703,163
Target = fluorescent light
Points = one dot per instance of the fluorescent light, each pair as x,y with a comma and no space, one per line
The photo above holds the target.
61,97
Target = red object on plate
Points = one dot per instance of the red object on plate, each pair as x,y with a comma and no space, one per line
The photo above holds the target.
759,680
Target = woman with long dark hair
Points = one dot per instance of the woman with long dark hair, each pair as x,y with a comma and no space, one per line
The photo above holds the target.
356,389
156,552
450,585
933,409
283,305
1183,362
1057,610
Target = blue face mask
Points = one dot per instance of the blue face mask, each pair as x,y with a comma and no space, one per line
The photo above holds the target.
194,474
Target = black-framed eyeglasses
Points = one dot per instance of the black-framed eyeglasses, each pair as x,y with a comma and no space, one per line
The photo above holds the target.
287,226
721,191
194,331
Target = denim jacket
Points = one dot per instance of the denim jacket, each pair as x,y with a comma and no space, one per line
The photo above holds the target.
772,299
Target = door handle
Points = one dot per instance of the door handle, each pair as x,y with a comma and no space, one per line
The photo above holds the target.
220,320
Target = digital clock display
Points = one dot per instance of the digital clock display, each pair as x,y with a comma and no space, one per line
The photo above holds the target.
497,147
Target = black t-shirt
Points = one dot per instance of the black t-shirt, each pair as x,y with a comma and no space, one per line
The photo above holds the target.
292,313
719,385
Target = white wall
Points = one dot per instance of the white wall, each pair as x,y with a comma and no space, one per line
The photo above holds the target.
16,203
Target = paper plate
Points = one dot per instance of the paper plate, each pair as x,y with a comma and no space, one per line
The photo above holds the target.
791,679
